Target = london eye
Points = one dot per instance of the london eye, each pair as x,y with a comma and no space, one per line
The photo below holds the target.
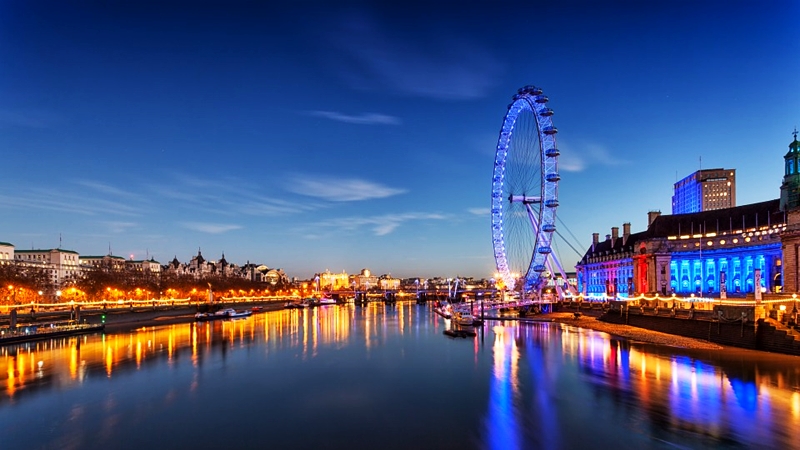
525,193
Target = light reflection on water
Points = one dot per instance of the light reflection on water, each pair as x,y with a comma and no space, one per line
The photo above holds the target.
387,375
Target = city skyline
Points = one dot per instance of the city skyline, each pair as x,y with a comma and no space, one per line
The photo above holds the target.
362,135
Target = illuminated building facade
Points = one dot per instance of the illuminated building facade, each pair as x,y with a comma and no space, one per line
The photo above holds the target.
705,190
61,265
731,250
334,281
364,280
387,282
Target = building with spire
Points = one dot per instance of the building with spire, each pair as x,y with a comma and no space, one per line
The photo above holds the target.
790,188
790,205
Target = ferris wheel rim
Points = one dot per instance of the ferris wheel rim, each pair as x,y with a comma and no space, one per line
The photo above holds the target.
529,98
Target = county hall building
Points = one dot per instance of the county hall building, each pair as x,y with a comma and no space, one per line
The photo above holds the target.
731,251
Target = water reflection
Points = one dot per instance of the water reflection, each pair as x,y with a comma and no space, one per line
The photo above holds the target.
515,385
68,361
682,398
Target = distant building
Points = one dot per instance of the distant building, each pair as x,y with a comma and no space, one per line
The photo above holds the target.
364,280
6,253
144,266
61,265
705,190
109,263
388,282
333,281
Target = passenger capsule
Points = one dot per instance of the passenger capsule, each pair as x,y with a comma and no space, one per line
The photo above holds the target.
550,130
552,177
552,203
552,152
544,250
548,228
539,268
541,99
547,112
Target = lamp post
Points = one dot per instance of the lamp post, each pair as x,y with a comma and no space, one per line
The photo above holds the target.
794,308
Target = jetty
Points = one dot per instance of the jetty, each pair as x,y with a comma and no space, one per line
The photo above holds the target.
26,333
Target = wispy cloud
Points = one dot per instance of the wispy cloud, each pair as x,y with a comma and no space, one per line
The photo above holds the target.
339,190
225,196
64,200
120,227
380,225
211,228
577,158
479,211
362,119
109,190
372,55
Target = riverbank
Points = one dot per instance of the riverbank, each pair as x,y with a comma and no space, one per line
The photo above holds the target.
131,320
630,332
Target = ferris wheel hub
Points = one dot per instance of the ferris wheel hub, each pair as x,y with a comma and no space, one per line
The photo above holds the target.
524,199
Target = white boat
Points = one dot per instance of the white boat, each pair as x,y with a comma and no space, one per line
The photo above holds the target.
235,314
327,301
223,314
463,318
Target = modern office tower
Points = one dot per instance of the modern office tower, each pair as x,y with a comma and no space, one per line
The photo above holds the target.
705,190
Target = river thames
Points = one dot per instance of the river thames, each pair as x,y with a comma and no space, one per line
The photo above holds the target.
385,376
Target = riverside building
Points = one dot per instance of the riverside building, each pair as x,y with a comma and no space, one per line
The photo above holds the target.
711,251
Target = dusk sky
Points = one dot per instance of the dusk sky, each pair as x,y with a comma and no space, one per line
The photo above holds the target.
346,135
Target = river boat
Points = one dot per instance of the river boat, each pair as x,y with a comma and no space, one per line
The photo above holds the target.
443,309
226,313
294,305
237,314
462,318
327,301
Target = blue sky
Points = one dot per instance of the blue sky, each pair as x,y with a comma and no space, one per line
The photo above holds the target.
348,135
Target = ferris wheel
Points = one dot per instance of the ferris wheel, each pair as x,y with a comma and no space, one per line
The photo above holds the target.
525,193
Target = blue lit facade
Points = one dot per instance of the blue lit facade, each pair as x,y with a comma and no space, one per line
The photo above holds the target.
704,253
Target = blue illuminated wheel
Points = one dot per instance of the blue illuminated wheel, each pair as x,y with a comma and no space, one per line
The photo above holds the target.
525,192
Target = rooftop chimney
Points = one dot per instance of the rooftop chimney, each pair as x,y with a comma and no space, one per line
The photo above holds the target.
595,240
651,217
614,235
626,232
608,237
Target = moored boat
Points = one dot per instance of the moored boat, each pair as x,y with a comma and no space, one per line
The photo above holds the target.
463,318
327,301
226,313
